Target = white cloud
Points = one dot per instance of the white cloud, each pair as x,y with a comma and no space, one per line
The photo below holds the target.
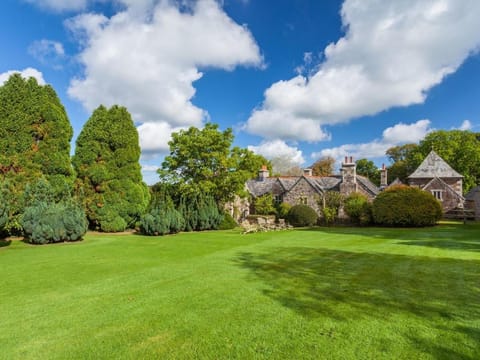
466,125
25,73
148,56
279,149
396,135
60,5
150,168
393,52
154,136
48,52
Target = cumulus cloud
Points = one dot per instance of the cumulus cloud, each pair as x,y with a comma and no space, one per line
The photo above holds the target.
466,125
148,56
392,53
25,73
279,149
398,134
48,52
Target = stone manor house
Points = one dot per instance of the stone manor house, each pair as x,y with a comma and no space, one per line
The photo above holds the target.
433,175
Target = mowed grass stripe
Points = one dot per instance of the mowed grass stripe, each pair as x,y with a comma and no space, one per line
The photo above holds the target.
321,293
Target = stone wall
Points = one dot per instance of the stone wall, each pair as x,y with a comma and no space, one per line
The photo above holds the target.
303,193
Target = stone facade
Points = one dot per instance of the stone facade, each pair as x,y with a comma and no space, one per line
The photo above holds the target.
308,189
437,177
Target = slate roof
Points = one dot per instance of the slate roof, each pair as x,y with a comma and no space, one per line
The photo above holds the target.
434,166
368,185
471,194
260,187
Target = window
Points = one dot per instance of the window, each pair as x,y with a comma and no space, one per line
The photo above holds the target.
303,200
437,194
278,199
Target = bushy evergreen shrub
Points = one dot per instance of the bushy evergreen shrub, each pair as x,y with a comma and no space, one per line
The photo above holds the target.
227,223
406,206
3,213
161,220
54,222
200,212
302,215
47,219
358,208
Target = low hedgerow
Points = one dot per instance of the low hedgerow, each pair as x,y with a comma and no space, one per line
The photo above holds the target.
406,206
302,215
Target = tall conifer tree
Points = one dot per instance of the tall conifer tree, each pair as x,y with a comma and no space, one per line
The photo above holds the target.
35,136
106,160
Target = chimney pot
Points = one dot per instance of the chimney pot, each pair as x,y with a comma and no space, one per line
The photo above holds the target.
351,159
346,159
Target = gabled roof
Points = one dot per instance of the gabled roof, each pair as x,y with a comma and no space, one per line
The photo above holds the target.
397,181
260,187
368,185
434,166
442,184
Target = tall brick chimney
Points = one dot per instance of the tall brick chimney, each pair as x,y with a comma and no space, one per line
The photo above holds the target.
263,173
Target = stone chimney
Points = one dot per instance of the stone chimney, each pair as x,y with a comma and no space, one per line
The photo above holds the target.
349,176
263,173
307,172
383,177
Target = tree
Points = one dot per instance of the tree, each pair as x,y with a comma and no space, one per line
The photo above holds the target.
106,160
323,166
35,136
460,149
285,167
405,159
368,169
202,161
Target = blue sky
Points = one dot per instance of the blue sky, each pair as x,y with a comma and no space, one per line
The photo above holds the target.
296,79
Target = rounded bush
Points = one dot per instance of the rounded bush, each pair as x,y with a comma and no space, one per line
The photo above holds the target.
54,222
406,206
302,215
227,223
162,220
358,209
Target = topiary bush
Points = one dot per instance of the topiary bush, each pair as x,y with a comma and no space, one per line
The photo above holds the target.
302,215
227,223
358,209
406,206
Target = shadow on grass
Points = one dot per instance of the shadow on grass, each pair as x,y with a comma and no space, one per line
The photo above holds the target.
451,236
348,286
4,242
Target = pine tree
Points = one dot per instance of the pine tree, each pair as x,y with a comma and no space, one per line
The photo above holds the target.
35,136
106,160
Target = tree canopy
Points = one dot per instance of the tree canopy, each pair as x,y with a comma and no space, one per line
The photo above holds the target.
323,166
109,176
203,160
368,169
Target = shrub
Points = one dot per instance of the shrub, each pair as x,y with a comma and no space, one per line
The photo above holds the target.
227,223
3,212
45,222
302,215
406,206
200,212
161,220
330,202
283,209
264,205
329,215
358,208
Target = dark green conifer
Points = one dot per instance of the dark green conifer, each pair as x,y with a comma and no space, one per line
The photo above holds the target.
106,160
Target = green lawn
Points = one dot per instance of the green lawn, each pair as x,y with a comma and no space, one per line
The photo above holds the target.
338,293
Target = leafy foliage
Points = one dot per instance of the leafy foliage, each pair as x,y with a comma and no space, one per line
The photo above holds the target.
47,220
264,205
203,161
330,202
302,215
323,166
108,171
283,209
406,206
4,210
227,223
358,208
368,169
35,136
